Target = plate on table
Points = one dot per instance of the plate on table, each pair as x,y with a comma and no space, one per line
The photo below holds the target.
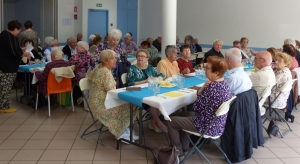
190,74
166,84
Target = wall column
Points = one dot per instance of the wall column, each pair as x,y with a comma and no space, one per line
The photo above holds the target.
169,18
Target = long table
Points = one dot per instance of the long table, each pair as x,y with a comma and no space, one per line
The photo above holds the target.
166,104
27,69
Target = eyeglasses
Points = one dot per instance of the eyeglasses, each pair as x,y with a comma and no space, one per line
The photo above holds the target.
140,56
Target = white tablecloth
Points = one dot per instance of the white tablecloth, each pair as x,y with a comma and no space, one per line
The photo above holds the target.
167,105
34,79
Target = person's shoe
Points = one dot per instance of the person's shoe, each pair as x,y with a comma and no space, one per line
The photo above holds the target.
125,136
292,118
9,110
79,100
134,137
157,130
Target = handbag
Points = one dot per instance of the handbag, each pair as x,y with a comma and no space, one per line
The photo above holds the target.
273,128
168,155
64,98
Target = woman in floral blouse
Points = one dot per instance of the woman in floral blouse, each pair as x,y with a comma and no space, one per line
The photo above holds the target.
209,98
114,36
139,74
82,61
184,64
282,74
116,119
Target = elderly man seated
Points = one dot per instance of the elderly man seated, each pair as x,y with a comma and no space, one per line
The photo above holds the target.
265,76
237,80
214,51
79,37
70,48
157,43
47,53
128,46
169,65
57,61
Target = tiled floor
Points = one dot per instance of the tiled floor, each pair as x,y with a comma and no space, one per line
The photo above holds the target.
29,136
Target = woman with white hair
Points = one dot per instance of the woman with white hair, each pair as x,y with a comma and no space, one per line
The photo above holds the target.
116,119
123,64
82,61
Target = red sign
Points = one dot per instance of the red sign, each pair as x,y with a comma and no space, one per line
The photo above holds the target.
75,16
75,8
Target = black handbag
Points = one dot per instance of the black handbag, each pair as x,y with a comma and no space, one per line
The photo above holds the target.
273,128
168,155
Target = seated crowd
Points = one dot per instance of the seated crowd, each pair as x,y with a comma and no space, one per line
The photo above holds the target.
104,63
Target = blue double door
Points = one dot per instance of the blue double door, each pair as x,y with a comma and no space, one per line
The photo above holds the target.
127,17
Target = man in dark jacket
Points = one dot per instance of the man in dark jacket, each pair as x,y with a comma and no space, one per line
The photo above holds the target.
70,48
157,43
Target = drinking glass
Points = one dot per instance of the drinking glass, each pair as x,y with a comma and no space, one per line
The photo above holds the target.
156,88
65,58
180,81
43,60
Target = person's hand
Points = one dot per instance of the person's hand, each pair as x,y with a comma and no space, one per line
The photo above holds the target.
27,54
23,48
206,84
36,70
31,62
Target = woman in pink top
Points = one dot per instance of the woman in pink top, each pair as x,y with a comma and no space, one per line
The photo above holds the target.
291,50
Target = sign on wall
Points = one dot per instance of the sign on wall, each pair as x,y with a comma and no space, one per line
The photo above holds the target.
99,5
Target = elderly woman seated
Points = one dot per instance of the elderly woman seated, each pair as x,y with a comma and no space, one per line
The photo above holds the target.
188,40
94,44
169,65
82,61
282,75
115,119
139,74
57,61
153,53
114,36
291,50
209,98
184,64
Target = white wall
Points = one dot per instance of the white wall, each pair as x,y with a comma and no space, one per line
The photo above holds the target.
265,23
65,10
110,5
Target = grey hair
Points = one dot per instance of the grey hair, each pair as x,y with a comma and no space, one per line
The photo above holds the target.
169,49
177,39
127,34
48,40
148,39
290,41
195,40
114,33
105,54
83,44
71,38
92,36
53,41
234,54
189,37
57,52
217,40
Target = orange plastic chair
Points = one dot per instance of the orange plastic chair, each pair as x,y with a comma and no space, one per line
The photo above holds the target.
54,87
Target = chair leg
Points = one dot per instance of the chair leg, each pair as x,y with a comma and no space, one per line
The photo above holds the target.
72,101
60,99
49,106
195,148
281,118
36,101
228,161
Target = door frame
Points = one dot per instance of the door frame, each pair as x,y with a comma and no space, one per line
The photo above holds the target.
90,9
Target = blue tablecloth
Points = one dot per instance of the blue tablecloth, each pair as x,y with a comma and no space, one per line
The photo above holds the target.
130,56
26,68
136,97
